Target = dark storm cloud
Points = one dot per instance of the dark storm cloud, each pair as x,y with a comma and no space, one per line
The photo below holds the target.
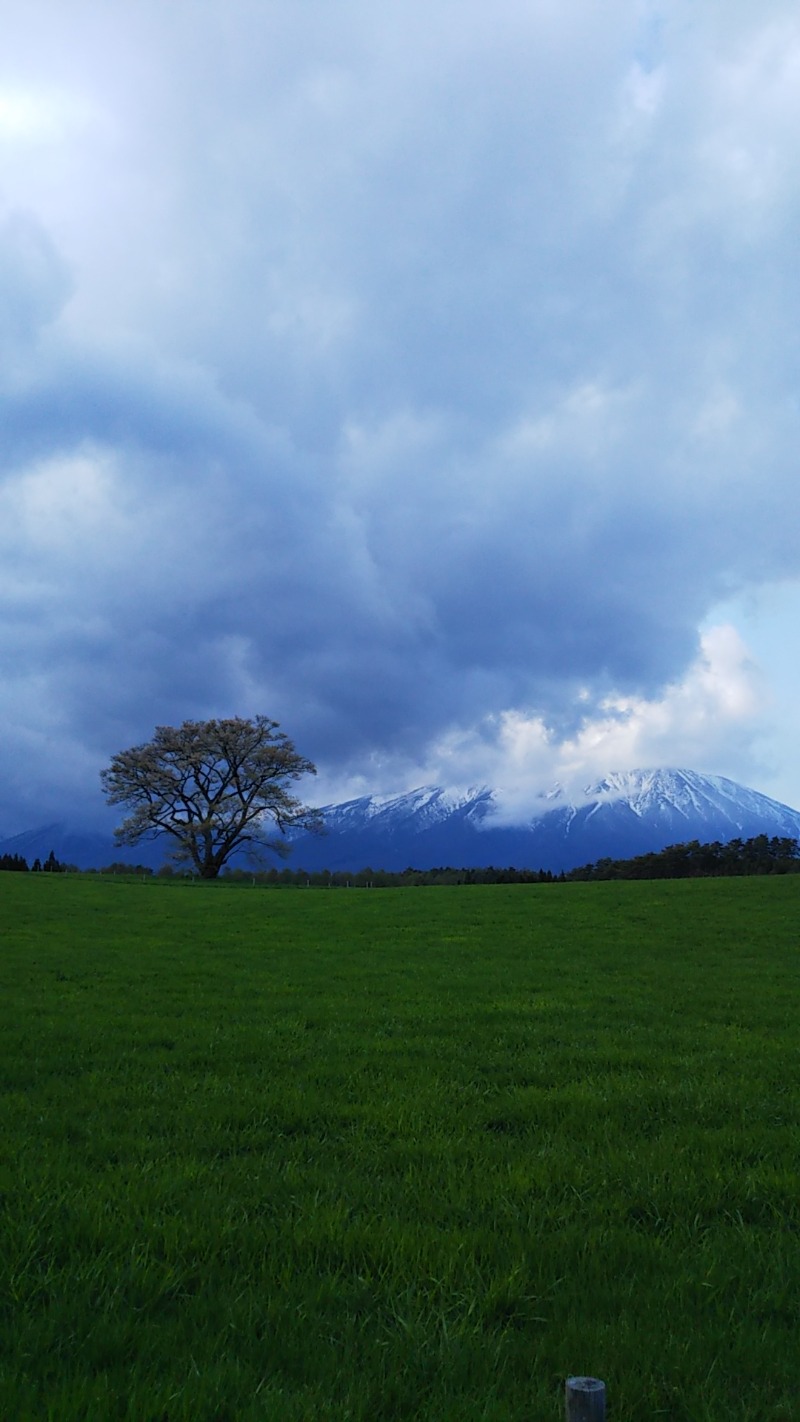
386,371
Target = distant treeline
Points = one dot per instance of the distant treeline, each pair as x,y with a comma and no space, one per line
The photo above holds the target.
17,864
386,878
693,860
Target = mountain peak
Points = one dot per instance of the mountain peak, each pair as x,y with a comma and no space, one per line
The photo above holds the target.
623,814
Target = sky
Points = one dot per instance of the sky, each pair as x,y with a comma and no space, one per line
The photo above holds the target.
424,377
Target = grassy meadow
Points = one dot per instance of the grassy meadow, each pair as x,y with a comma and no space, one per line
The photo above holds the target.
401,1154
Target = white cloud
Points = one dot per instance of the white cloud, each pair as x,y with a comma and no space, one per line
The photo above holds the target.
34,118
704,721
55,505
583,421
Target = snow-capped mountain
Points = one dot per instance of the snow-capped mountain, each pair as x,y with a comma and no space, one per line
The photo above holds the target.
417,810
627,813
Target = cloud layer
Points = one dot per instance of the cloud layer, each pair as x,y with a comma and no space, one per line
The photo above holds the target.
417,376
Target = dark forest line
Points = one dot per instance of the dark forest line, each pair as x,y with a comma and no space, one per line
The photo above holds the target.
692,860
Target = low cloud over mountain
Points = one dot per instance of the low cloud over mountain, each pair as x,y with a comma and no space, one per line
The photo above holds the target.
621,816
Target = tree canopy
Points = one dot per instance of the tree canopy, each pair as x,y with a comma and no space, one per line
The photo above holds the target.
212,786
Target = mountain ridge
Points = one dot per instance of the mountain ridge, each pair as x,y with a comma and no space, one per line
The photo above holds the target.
624,814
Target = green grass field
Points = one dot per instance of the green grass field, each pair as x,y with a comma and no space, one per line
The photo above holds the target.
399,1154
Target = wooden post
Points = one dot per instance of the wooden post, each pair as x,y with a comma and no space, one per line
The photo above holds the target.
585,1400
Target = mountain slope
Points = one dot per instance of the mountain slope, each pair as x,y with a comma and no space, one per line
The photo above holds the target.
627,813
86,849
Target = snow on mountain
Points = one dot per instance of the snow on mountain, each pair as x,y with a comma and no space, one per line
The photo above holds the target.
424,808
624,814
677,795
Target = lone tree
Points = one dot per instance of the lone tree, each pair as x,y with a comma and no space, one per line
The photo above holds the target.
211,785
